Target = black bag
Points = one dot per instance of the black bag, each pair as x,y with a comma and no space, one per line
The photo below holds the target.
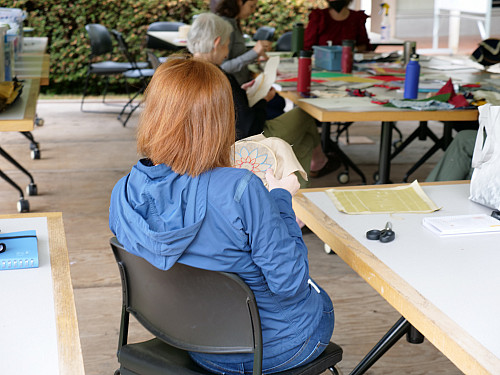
488,52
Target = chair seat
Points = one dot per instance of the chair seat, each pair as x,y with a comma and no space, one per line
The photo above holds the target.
109,67
113,67
329,358
154,357
137,73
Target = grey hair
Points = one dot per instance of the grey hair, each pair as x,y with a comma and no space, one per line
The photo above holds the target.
204,30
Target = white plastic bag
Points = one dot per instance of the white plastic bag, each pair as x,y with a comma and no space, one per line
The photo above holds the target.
485,181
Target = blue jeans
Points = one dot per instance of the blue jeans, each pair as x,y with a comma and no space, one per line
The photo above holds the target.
295,357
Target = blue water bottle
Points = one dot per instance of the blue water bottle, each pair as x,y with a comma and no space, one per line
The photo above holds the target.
411,78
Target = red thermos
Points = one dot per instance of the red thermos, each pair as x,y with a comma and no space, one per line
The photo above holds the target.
347,56
304,74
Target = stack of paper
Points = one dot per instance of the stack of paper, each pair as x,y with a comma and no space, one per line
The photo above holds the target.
462,224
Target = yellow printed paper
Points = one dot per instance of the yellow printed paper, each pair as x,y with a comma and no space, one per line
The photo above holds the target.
400,199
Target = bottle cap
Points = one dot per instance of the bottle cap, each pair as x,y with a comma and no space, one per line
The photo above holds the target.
414,57
348,43
305,53
299,24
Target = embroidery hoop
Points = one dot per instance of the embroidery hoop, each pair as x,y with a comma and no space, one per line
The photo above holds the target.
255,157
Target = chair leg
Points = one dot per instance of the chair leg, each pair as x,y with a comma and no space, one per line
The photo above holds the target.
132,108
85,88
105,90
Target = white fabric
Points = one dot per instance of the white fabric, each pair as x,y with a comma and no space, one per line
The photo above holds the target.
485,181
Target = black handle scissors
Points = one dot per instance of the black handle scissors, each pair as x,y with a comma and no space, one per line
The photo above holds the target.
385,235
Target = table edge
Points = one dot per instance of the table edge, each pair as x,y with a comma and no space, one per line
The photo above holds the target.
68,337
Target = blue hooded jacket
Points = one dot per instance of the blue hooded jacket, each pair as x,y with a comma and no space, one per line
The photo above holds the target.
224,220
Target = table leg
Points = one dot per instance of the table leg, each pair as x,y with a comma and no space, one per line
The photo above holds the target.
384,164
397,331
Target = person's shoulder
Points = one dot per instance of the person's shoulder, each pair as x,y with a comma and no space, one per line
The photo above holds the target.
234,180
232,21
318,12
358,14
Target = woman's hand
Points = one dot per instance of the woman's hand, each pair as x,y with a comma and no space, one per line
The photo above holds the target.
261,47
290,183
247,85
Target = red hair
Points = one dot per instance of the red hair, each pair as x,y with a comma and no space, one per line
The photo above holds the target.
188,117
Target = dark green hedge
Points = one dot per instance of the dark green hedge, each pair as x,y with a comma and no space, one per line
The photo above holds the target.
63,22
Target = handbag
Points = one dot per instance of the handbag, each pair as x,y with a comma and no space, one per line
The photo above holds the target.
485,181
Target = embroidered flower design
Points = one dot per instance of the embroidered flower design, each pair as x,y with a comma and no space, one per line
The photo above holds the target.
251,160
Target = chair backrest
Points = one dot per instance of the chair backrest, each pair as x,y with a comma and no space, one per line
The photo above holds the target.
154,43
124,48
153,60
190,308
165,26
284,42
264,33
100,39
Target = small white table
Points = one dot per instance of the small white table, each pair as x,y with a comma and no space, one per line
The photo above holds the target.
447,288
38,325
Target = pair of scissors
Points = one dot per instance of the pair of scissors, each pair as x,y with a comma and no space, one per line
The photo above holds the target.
385,235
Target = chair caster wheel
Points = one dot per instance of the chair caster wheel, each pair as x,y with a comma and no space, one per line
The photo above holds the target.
23,205
32,189
327,248
343,177
34,145
397,144
39,121
35,154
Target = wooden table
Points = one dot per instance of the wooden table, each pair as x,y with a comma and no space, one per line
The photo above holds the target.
447,288
32,67
38,323
387,116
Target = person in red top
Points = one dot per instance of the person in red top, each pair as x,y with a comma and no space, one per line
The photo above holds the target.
336,23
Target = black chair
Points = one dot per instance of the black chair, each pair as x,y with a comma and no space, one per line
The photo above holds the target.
284,42
190,309
137,73
155,43
264,33
154,60
101,44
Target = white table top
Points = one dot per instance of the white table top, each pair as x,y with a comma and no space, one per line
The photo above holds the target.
171,37
38,328
454,283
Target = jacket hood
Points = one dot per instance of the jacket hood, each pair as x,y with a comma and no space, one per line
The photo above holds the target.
156,213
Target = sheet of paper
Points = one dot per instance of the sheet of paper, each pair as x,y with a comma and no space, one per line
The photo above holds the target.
347,103
263,82
461,224
400,199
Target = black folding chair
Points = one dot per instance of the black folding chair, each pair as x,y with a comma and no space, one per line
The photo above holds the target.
284,42
101,44
191,309
136,73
